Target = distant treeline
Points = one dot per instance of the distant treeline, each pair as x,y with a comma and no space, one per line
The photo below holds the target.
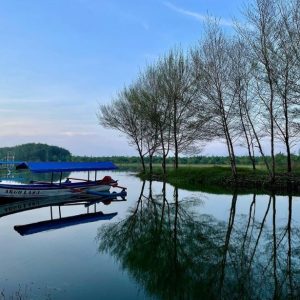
44,152
35,152
200,160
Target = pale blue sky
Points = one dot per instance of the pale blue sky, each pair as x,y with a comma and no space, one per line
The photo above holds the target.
60,58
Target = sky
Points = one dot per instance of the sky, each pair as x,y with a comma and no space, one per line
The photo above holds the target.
61,59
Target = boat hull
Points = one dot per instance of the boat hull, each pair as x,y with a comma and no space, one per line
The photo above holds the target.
49,190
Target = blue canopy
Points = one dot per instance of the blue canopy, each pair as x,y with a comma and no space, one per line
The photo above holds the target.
47,167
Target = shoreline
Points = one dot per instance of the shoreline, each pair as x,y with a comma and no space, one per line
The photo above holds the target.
219,180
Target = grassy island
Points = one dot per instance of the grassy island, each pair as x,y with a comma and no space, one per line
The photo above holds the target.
219,179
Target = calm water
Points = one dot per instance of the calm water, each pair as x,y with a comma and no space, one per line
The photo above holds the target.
163,243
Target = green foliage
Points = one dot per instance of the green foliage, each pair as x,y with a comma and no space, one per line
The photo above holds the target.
194,160
115,159
36,152
219,179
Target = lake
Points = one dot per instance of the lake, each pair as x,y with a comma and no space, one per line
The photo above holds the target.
163,243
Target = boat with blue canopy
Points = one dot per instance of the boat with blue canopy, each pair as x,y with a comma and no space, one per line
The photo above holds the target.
58,167
67,187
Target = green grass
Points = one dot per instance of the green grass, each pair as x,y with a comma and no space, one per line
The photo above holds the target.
218,179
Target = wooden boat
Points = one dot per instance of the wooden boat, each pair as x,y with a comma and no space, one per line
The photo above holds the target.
69,187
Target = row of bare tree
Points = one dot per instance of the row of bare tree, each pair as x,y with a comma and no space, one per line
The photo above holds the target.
242,88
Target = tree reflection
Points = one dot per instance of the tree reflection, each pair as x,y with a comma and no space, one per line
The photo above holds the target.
175,252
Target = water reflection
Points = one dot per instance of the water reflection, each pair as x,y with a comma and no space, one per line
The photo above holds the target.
88,202
176,252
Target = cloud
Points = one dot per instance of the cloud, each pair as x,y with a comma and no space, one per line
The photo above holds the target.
198,16
77,133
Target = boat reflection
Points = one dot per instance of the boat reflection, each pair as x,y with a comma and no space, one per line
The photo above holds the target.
88,202
175,252
62,222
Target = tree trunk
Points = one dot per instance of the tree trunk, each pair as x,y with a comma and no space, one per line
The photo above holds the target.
163,151
142,160
151,164
287,136
289,158
258,142
175,133
272,142
143,163
252,159
266,62
231,155
228,140
233,161
164,165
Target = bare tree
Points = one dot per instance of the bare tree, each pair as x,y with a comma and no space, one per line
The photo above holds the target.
286,69
260,35
215,99
150,110
178,88
290,17
156,112
240,88
123,115
274,38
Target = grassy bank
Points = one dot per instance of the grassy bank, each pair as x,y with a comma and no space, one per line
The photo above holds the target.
219,179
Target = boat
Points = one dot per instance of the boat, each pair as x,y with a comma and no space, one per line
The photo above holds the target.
68,187
87,202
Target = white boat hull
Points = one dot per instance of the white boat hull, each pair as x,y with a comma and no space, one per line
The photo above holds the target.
40,191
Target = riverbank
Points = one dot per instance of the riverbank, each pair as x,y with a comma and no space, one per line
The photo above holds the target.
218,179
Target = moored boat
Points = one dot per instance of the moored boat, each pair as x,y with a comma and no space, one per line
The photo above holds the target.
68,187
